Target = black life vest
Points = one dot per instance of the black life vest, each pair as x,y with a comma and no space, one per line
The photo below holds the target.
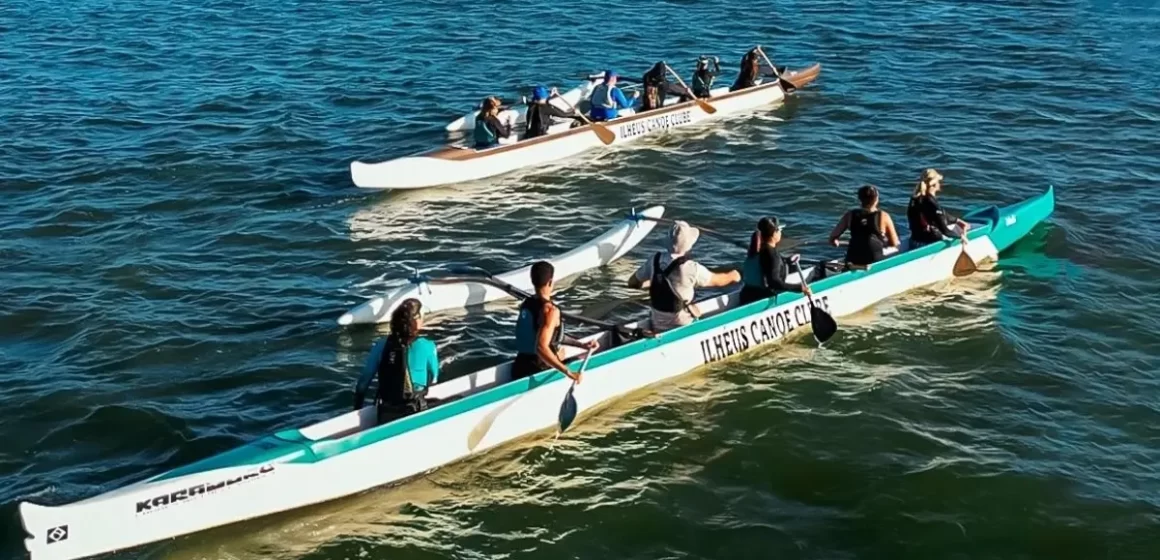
538,119
866,240
528,326
394,372
661,294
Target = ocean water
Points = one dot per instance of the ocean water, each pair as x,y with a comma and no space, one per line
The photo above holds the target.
178,233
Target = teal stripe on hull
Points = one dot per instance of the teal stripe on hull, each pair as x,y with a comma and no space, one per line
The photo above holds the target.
1005,227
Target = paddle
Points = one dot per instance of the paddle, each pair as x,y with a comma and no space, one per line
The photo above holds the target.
964,265
824,325
716,234
704,105
786,85
568,408
607,136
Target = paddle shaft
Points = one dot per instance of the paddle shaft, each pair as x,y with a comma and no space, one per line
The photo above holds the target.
606,135
574,110
761,52
717,234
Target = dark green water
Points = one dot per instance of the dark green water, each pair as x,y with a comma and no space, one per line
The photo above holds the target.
179,232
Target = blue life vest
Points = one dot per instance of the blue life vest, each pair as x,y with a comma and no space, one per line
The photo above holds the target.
484,136
751,272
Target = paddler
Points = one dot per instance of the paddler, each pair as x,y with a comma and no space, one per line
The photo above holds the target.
928,222
540,112
703,76
488,128
764,272
655,83
750,70
607,100
871,230
540,330
405,363
672,277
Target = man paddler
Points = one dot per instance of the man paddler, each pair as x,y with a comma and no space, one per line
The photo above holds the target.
540,113
607,100
540,330
671,278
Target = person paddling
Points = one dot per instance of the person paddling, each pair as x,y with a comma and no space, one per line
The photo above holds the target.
540,113
703,76
405,364
750,68
764,272
540,330
871,230
672,278
607,100
655,83
488,128
928,223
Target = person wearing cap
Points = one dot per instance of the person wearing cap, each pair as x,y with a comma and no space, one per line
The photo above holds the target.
540,113
871,230
703,76
672,277
488,128
764,272
607,100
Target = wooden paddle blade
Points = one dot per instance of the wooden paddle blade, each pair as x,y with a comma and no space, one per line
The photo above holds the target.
824,324
607,136
964,265
705,106
568,409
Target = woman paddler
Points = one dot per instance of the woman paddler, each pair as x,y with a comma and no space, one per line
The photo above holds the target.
928,222
488,128
405,363
871,230
764,272
540,330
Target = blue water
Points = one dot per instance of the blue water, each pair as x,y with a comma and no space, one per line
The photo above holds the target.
179,232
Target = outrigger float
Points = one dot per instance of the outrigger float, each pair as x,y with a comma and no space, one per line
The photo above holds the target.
458,163
437,296
350,453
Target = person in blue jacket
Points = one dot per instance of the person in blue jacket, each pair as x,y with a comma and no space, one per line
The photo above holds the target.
405,364
607,99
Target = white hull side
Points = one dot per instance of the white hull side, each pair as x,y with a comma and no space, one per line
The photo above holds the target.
600,251
110,522
422,170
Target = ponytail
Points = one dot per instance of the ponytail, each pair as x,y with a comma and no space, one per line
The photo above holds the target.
755,243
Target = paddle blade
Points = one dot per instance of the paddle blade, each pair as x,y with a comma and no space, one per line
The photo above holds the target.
705,106
964,265
568,409
824,325
607,136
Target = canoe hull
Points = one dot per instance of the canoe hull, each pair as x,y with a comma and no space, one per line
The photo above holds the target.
348,454
600,251
457,164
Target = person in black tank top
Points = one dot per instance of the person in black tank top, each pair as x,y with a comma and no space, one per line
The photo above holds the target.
871,230
540,330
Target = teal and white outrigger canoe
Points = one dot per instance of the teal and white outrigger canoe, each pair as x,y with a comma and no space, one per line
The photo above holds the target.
349,453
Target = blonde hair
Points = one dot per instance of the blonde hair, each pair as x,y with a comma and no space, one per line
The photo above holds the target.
925,181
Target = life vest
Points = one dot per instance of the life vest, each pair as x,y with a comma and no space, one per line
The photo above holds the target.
702,83
661,295
753,272
528,327
394,372
484,136
538,119
866,240
602,97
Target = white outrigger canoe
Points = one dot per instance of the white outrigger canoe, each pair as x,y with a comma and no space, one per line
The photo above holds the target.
350,453
458,163
602,250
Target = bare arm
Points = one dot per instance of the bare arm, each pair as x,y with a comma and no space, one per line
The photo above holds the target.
839,229
722,279
544,341
888,229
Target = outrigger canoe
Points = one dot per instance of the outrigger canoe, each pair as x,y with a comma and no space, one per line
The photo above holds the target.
602,250
350,453
458,163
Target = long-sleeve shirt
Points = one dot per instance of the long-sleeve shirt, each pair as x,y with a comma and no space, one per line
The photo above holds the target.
606,102
928,223
766,269
539,118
